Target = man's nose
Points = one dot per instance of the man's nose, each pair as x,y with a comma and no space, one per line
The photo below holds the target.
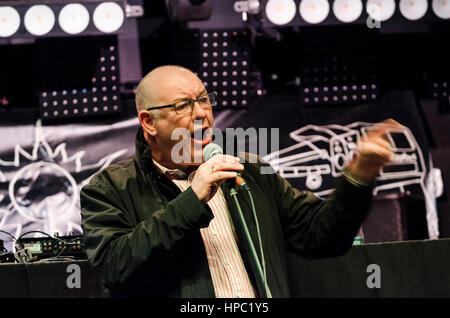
199,112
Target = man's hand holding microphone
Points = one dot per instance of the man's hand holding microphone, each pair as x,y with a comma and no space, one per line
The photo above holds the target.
210,175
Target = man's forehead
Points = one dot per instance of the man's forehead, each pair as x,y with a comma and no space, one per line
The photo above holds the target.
174,74
181,87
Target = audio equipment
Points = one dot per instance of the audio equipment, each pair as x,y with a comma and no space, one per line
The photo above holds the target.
396,217
47,247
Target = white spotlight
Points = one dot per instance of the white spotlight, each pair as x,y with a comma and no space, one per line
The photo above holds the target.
380,10
441,8
73,18
280,11
108,17
9,21
413,9
39,19
314,11
347,10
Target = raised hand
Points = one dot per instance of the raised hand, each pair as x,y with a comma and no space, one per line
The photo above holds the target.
373,151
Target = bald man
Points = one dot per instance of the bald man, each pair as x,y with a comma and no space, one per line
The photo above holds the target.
157,227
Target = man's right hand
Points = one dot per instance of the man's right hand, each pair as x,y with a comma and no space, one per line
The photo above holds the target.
210,174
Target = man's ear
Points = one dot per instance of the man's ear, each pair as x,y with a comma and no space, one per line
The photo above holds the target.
147,120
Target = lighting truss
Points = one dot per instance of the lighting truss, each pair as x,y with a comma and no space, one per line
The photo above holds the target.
328,12
62,18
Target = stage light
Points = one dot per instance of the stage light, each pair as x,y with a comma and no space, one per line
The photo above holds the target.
413,9
39,20
73,18
230,74
440,89
324,84
380,10
314,11
91,61
247,7
347,10
441,8
9,21
323,95
108,17
280,12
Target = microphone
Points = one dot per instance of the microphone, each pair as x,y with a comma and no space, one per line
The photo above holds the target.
213,149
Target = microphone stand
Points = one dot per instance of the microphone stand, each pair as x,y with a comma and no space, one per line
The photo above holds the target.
261,269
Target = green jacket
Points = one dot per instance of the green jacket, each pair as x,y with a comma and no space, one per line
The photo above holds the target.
142,233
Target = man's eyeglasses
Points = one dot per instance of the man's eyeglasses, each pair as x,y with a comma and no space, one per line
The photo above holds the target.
186,106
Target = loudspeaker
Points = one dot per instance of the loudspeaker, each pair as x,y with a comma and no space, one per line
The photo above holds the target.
396,217
189,10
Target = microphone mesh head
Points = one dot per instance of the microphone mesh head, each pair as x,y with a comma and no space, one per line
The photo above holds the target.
211,150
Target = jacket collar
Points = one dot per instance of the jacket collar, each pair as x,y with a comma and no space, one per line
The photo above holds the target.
143,154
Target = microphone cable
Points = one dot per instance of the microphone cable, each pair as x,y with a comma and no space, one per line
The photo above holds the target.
210,151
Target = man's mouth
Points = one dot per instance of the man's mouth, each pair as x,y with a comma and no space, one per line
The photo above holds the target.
202,136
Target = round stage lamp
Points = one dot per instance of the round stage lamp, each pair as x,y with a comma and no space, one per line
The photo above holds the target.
441,8
73,18
347,10
380,10
108,17
413,9
9,21
280,12
39,19
314,11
